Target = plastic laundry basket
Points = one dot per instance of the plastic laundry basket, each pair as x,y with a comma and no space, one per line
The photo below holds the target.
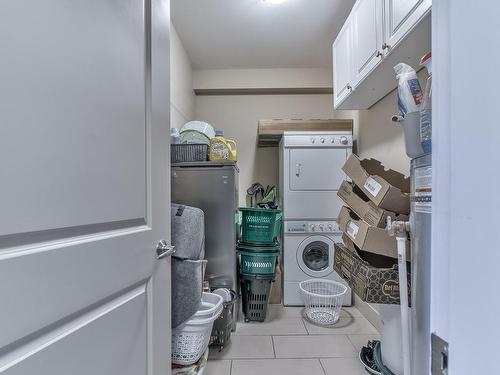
260,225
257,263
255,292
322,300
190,340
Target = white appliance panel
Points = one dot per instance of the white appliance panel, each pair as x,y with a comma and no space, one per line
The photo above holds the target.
313,169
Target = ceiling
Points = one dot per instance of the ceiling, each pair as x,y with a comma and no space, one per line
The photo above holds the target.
238,34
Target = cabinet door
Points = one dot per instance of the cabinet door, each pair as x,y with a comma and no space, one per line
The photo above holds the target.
367,36
400,18
342,48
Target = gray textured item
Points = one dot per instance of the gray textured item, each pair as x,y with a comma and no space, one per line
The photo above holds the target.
188,266
187,285
188,232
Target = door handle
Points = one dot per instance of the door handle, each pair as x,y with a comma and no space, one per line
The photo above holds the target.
297,170
163,249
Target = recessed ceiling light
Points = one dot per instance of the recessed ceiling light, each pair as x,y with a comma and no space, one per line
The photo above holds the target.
274,2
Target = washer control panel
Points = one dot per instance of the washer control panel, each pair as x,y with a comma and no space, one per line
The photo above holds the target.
312,227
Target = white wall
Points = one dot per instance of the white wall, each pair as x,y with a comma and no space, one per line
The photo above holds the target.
238,116
182,98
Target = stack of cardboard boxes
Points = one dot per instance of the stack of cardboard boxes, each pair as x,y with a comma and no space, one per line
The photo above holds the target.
368,257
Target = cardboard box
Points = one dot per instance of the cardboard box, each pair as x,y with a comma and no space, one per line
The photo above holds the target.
366,237
375,280
388,189
354,197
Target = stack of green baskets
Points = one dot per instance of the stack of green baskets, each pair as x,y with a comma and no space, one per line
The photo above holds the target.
258,251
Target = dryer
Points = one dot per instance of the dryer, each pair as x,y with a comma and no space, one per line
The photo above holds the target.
311,173
308,253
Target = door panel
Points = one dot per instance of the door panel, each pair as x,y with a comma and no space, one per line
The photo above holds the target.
85,187
75,114
116,329
367,37
401,16
316,169
342,49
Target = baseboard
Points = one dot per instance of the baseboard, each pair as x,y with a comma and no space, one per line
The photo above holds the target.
369,311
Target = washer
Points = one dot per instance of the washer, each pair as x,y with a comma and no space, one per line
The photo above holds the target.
308,253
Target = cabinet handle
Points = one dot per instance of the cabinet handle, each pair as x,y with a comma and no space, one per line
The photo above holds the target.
349,87
385,46
378,54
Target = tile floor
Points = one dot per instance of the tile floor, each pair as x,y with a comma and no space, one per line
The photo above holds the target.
287,344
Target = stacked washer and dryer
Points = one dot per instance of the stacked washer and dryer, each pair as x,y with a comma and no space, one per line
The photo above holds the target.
310,176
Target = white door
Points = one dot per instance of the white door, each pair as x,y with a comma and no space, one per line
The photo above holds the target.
367,31
400,18
342,83
316,169
84,192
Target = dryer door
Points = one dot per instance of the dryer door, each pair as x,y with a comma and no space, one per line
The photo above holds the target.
315,256
313,169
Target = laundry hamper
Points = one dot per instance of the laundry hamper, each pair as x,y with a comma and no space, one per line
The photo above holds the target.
190,340
221,331
255,292
322,300
258,263
260,225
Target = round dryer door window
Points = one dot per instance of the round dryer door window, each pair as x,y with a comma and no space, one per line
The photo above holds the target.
315,256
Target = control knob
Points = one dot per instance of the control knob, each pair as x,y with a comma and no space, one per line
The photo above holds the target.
322,140
313,140
321,227
344,140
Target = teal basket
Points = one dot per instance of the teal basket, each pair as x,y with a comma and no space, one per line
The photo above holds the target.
263,264
249,248
260,225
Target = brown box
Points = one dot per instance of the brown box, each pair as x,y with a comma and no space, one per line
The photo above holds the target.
374,278
388,189
354,197
366,237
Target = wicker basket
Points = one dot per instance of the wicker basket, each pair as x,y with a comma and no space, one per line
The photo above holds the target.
188,153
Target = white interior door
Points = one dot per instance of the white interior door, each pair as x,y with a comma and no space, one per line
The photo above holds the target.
84,193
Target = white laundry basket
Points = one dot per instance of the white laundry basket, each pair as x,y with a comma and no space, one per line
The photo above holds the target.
190,340
323,300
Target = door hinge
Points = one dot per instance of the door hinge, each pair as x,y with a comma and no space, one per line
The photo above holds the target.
439,356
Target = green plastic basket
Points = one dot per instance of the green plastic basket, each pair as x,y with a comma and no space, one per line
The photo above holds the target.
260,225
258,263
249,248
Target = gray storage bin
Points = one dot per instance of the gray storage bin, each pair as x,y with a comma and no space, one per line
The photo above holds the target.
188,266
187,283
188,232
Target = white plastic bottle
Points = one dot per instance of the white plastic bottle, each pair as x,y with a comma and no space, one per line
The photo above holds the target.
426,112
175,137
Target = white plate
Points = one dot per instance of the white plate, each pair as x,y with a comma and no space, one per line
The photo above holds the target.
201,126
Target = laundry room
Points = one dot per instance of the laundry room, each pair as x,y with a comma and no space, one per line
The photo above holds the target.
323,169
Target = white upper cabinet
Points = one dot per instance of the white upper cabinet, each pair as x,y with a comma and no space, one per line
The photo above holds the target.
400,17
377,35
342,77
367,37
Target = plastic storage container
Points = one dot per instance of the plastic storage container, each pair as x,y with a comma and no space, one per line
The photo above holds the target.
255,292
322,300
411,129
265,248
190,340
221,331
222,149
180,153
258,263
260,225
